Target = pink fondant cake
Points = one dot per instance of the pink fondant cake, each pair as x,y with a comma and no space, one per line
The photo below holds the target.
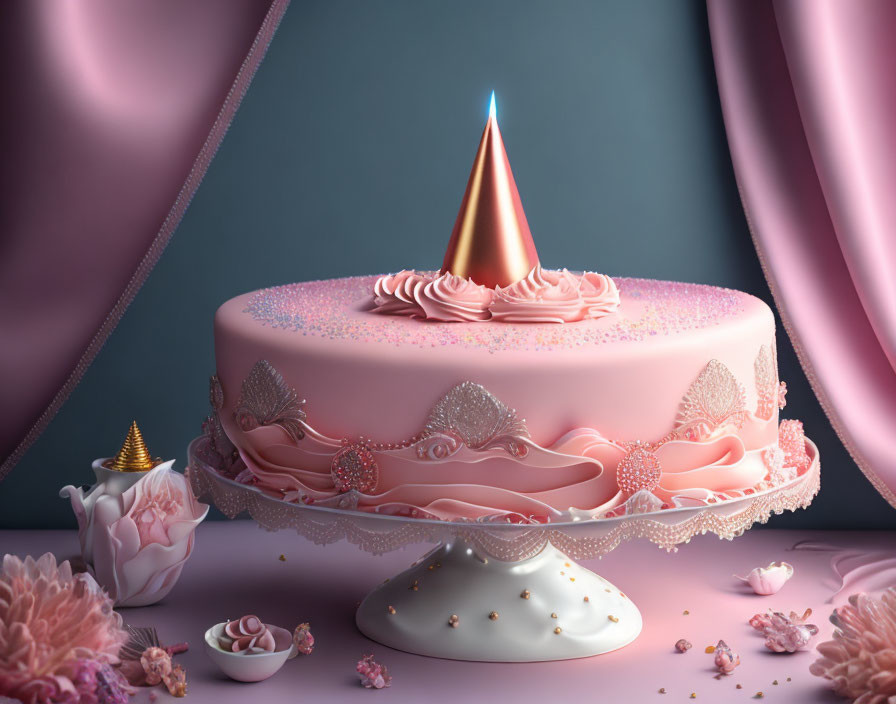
498,390
676,393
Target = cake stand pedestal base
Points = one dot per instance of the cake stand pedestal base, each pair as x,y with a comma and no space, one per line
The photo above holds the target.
456,604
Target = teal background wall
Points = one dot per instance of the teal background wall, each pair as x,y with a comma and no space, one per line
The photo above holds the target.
350,155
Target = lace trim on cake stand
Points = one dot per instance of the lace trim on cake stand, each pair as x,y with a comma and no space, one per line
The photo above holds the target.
377,534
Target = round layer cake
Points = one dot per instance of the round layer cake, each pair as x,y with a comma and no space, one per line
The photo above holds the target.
670,400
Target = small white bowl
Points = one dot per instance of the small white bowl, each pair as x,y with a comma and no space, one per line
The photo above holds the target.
255,667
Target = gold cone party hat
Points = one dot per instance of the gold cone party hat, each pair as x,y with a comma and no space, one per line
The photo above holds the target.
133,455
491,242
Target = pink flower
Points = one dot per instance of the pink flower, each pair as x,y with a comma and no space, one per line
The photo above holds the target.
682,646
247,635
158,667
177,682
97,683
156,663
768,580
143,537
51,623
725,659
792,441
860,661
303,639
784,634
373,675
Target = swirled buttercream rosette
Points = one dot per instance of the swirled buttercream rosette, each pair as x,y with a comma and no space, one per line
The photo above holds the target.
454,298
396,294
543,296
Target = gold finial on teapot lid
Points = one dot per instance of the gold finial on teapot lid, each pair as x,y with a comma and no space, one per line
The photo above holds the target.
133,455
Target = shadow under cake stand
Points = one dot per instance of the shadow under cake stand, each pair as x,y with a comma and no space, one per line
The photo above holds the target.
499,592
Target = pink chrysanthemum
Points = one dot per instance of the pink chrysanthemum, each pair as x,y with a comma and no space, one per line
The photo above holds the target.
861,658
51,622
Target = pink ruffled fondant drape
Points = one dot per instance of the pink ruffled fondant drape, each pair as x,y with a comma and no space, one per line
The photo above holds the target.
111,114
809,101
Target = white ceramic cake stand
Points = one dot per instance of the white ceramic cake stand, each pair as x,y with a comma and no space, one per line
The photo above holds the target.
499,592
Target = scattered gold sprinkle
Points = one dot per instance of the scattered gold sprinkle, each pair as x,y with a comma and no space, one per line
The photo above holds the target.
739,686
562,572
558,630
414,585
452,621
566,564
587,599
662,690
759,695
622,594
431,567
391,609
693,695
788,679
282,558
572,579
775,682
554,615
525,594
710,649
614,619
493,615
685,612
607,591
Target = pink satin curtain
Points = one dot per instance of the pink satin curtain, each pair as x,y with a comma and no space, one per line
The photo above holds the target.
808,91
111,114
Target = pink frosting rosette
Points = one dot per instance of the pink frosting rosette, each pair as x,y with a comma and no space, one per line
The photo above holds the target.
544,296
142,537
247,635
397,294
599,293
451,298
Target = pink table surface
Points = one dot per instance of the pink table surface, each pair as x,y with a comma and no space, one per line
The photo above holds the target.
236,569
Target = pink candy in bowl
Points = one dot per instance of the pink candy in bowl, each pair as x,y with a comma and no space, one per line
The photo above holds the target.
249,650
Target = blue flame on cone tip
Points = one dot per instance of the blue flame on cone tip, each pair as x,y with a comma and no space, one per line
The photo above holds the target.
492,109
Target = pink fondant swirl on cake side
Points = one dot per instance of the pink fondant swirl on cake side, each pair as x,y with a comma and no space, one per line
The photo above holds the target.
543,296
576,473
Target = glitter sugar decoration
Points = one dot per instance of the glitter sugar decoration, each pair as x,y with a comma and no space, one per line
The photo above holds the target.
792,441
766,374
715,399
479,419
337,309
266,399
639,470
354,468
